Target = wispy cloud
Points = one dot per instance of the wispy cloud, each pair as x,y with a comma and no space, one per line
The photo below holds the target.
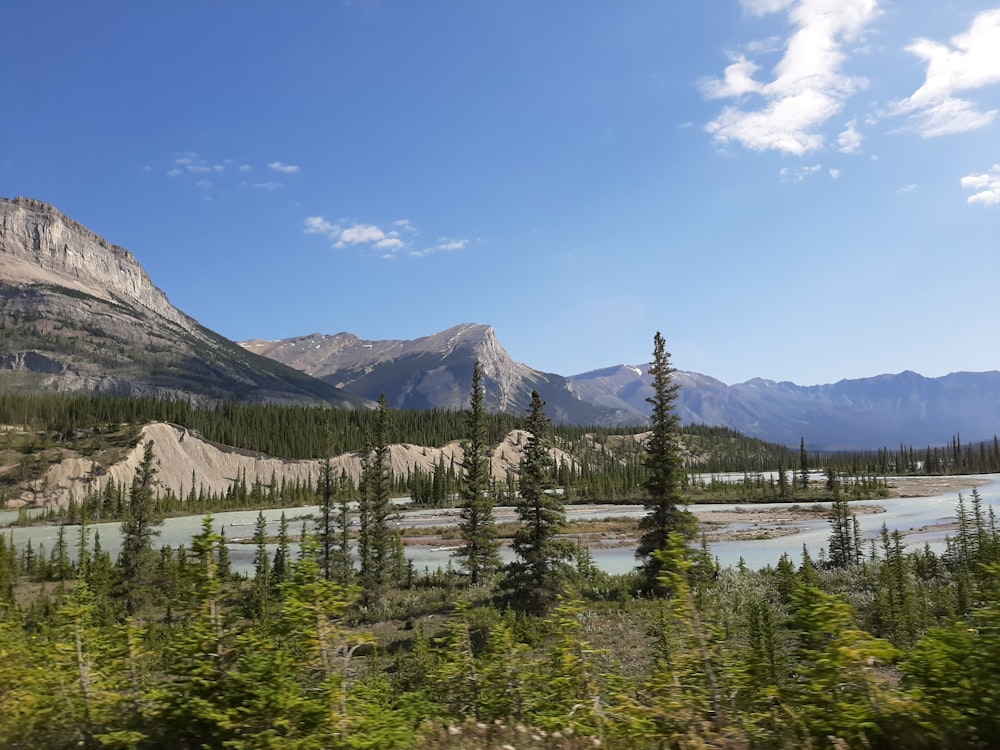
799,174
192,163
850,138
970,62
808,87
985,187
200,168
277,166
388,243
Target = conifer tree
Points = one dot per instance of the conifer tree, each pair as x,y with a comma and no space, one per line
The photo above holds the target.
325,531
536,578
664,468
803,464
481,552
375,542
137,562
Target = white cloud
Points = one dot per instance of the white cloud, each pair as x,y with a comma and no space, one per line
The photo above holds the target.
799,173
985,187
277,166
175,172
360,234
834,173
319,225
371,236
245,167
970,62
908,188
203,183
738,80
808,87
446,243
390,243
264,185
850,139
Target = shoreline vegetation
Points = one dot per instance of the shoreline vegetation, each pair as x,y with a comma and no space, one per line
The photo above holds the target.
342,642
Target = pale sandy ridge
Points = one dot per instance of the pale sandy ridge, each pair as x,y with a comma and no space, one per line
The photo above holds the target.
181,453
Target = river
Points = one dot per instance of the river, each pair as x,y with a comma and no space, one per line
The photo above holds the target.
906,514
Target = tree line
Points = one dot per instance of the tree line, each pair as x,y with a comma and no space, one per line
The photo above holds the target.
346,646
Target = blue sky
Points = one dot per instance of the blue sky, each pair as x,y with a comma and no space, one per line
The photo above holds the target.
802,190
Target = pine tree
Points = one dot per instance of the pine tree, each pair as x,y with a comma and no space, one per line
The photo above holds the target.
841,542
137,562
803,464
536,578
325,531
262,579
664,468
375,541
481,552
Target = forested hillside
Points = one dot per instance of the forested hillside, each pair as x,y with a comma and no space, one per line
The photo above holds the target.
344,644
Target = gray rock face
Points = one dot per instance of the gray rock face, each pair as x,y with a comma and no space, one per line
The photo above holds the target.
40,245
432,372
78,313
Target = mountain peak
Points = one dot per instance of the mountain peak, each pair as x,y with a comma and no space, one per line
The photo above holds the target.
81,313
41,245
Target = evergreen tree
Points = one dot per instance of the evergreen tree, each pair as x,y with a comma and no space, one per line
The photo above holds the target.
325,531
536,578
803,464
343,566
262,579
841,543
137,562
481,552
375,537
664,468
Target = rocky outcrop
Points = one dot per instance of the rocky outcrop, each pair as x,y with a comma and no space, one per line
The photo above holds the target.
40,245
78,313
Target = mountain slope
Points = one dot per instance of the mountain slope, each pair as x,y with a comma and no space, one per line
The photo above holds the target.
432,372
78,313
885,410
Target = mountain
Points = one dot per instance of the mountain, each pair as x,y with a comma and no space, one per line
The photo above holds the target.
865,413
433,372
78,313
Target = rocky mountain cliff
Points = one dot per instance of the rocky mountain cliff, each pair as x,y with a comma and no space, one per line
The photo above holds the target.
79,313
432,372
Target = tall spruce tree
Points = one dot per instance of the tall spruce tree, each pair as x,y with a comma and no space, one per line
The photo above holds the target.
536,578
375,537
137,561
480,554
664,466
803,464
325,524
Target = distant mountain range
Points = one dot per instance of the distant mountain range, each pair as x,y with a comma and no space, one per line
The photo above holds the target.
80,314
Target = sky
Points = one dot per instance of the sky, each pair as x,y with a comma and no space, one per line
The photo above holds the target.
800,190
